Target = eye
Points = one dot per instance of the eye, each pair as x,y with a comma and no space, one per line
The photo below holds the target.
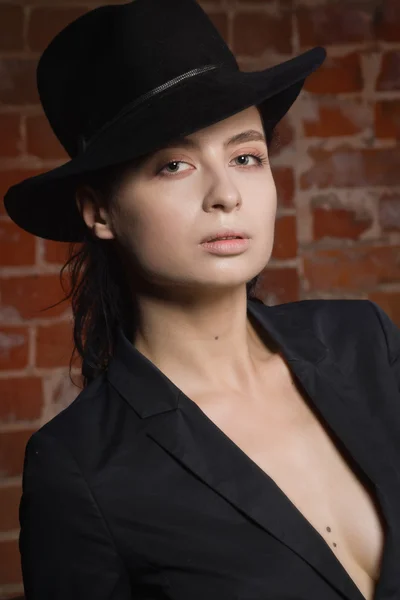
172,167
245,158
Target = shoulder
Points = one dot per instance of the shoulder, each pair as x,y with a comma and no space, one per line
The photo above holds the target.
328,311
361,313
82,428
315,312
341,323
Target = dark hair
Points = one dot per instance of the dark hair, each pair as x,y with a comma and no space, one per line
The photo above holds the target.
101,298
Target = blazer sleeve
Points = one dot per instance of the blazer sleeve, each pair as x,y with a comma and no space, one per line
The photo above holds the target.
66,548
392,335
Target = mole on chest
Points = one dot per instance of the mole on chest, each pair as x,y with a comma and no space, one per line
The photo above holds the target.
296,451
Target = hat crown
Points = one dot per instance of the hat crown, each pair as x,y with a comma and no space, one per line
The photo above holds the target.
114,55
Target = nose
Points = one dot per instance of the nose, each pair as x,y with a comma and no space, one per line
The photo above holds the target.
222,194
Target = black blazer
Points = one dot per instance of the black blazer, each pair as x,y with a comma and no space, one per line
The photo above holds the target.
133,492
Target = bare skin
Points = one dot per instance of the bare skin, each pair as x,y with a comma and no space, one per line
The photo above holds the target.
284,437
193,321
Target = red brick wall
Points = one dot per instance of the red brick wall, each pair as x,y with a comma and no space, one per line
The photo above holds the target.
337,170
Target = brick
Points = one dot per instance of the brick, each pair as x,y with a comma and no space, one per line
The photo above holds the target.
18,81
389,211
283,137
348,167
352,269
29,295
14,347
11,28
388,24
277,286
10,563
66,391
284,181
338,223
387,119
46,22
17,595
285,238
334,24
335,119
56,252
12,451
390,302
256,32
10,138
337,75
10,497
389,77
17,247
220,21
21,399
41,141
54,345
12,177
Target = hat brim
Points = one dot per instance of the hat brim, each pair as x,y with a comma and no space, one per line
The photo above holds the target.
44,205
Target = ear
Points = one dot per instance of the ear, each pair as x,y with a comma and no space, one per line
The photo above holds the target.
95,216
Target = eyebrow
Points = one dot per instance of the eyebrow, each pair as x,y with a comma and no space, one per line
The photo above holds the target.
251,135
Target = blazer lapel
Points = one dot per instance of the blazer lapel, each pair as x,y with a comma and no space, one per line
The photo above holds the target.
337,402
200,446
335,399
185,432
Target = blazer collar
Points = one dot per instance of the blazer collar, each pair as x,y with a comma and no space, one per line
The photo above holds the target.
185,432
130,369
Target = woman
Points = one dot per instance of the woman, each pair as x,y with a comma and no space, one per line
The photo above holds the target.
221,449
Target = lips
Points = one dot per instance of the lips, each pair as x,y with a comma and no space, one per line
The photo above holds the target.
220,235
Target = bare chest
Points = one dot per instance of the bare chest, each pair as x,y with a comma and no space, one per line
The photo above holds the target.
292,446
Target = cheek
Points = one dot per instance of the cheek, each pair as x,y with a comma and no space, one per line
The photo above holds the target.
262,199
164,222
152,231
263,218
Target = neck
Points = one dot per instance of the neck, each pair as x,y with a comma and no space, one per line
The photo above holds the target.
202,344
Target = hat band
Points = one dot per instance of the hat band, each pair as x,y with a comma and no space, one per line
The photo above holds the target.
85,143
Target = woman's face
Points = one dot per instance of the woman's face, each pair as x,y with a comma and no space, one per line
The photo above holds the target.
217,179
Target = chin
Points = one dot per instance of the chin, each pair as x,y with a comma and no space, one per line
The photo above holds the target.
222,283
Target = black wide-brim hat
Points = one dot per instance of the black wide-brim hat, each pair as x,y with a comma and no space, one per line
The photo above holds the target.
122,81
